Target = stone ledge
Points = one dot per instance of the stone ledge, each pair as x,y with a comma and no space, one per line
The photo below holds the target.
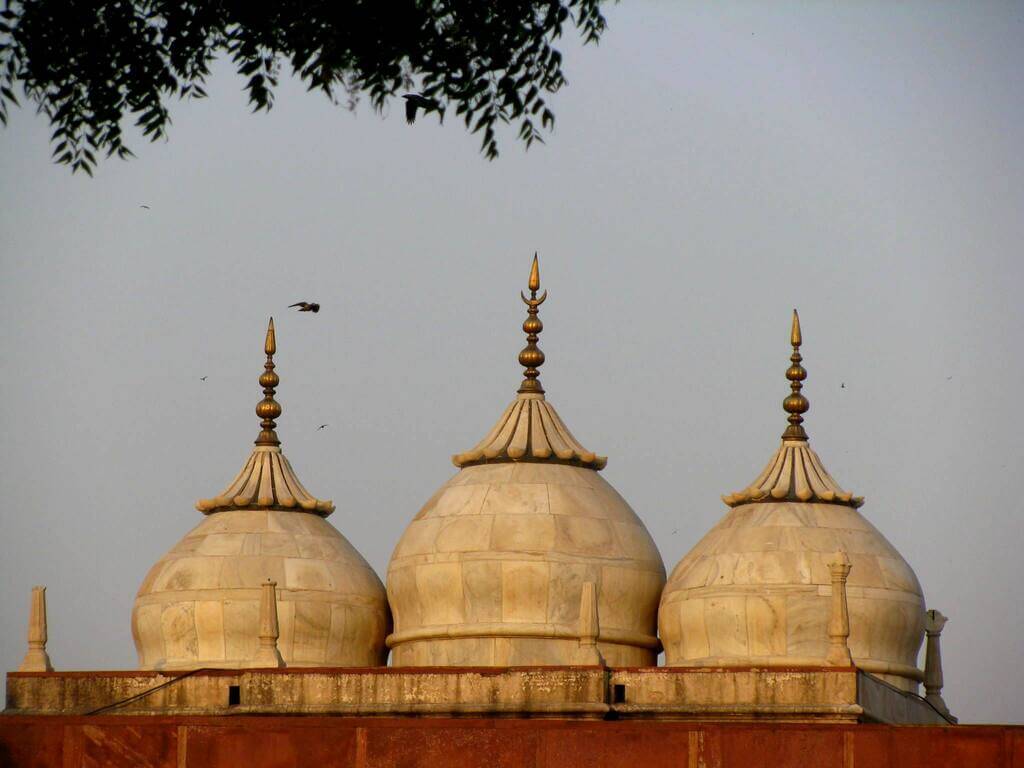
562,691
798,694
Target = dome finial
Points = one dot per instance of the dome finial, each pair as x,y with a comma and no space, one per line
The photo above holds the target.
796,404
531,357
268,408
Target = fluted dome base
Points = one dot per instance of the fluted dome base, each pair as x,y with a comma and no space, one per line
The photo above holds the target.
199,605
543,649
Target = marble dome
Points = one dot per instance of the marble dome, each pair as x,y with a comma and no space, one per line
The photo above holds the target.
493,568
199,604
756,589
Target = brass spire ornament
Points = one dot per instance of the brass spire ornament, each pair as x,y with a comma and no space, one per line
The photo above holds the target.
268,409
530,429
795,473
531,358
267,481
796,404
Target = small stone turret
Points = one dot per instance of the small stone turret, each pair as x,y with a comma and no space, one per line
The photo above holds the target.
36,658
839,622
934,623
590,627
268,655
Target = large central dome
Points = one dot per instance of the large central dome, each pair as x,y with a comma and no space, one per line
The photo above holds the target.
492,569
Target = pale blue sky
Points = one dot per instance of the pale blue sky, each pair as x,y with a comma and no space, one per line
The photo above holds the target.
713,166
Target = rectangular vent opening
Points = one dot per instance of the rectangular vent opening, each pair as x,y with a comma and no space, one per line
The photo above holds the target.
234,695
618,693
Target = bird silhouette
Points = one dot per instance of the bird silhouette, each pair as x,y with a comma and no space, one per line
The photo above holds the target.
144,206
320,427
843,385
414,101
306,306
202,378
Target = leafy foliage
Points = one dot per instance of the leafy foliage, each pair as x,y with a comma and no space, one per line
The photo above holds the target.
89,65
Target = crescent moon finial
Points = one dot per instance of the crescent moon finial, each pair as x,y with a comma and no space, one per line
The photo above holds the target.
531,358
533,302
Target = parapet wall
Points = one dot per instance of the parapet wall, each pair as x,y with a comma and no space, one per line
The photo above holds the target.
800,694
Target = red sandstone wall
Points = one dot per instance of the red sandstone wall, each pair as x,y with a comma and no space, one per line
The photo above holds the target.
324,742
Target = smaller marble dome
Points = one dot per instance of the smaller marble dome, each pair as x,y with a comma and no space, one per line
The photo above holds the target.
199,605
756,589
526,552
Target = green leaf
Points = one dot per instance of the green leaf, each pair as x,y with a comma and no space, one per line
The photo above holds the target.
91,66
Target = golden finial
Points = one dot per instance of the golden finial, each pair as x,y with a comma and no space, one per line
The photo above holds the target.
531,357
270,345
534,284
268,408
796,404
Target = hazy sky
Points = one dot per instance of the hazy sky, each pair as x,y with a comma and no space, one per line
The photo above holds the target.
714,165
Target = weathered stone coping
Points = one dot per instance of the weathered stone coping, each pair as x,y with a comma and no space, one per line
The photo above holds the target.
807,662
798,693
778,692
562,691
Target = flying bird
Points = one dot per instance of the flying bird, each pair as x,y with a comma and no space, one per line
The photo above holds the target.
414,101
306,306
320,427
843,385
202,378
144,206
